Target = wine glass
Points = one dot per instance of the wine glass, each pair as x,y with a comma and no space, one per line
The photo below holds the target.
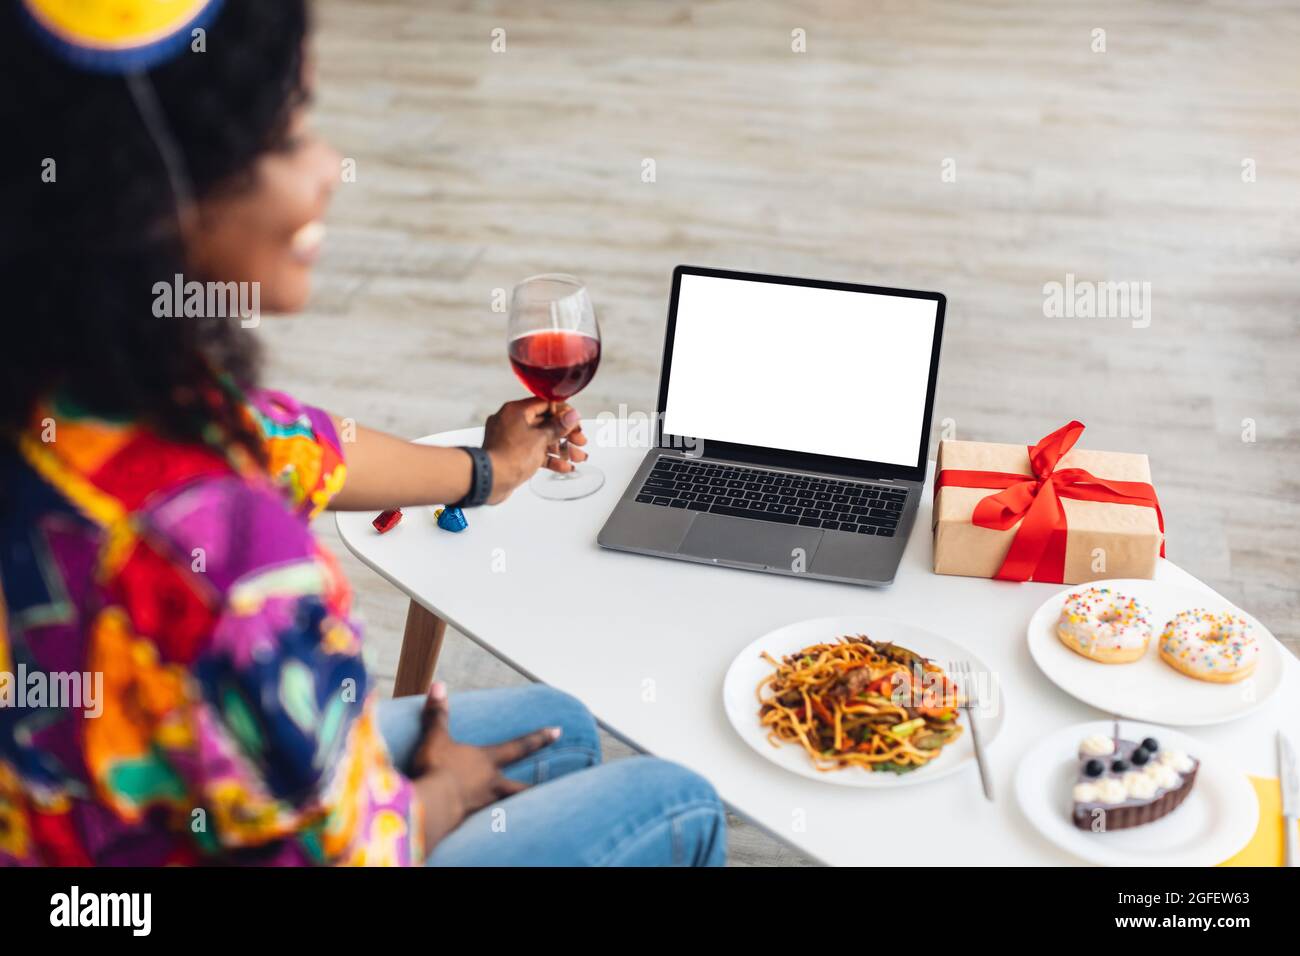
554,346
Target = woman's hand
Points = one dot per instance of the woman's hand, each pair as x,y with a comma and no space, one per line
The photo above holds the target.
523,436
453,779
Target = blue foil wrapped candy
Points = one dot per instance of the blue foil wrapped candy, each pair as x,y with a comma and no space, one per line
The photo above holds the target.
451,519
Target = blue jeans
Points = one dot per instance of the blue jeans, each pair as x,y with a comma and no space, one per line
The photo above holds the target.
636,812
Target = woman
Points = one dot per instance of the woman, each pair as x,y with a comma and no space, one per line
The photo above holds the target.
154,505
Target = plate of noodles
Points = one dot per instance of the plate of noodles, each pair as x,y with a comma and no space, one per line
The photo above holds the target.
859,701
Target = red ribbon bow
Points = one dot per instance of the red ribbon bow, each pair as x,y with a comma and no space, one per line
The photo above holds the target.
1038,549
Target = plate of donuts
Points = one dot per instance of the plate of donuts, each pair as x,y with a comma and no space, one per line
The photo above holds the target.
1153,651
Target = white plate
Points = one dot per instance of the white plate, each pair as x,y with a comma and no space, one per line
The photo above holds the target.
1216,820
1149,689
741,703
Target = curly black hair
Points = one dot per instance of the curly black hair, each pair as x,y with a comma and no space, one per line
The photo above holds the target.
89,223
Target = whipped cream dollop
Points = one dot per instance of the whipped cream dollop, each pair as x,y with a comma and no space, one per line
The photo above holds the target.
1176,759
1086,793
1111,790
1165,777
1097,745
1139,786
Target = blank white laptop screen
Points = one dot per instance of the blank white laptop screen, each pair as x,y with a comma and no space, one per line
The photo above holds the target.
800,369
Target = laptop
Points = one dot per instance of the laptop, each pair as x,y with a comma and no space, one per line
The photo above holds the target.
793,424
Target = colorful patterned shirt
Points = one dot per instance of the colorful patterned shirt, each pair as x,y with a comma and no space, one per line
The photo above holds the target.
179,679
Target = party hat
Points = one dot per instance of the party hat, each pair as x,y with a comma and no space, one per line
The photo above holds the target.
118,36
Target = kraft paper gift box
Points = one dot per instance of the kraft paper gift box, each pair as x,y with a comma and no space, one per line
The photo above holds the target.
1045,513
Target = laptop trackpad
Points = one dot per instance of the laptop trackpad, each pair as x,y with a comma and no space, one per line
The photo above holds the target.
747,541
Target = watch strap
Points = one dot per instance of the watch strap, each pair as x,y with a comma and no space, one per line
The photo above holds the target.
480,482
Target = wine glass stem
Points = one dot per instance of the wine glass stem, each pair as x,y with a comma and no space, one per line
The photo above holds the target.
562,446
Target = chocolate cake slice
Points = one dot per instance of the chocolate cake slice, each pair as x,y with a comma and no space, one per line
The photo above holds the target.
1123,784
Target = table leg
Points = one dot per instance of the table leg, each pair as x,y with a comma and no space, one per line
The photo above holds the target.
420,646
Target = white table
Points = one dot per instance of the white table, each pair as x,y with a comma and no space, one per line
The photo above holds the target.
645,642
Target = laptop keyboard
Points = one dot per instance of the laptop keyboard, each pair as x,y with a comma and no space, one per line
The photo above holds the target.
836,504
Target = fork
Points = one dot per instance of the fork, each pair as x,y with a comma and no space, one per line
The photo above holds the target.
970,690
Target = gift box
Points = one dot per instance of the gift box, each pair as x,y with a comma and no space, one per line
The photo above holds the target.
1046,512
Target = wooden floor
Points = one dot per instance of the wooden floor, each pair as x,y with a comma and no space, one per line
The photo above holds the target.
476,168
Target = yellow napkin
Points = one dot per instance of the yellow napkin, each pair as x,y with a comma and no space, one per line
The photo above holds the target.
1265,847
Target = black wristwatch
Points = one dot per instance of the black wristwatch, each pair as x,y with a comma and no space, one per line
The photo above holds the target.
480,481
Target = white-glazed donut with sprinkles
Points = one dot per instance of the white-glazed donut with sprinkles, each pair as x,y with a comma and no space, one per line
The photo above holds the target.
1217,647
1105,626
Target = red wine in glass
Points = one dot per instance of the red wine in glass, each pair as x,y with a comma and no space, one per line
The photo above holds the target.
555,364
553,341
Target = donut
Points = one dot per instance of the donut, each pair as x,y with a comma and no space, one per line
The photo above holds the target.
1216,647
1104,626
